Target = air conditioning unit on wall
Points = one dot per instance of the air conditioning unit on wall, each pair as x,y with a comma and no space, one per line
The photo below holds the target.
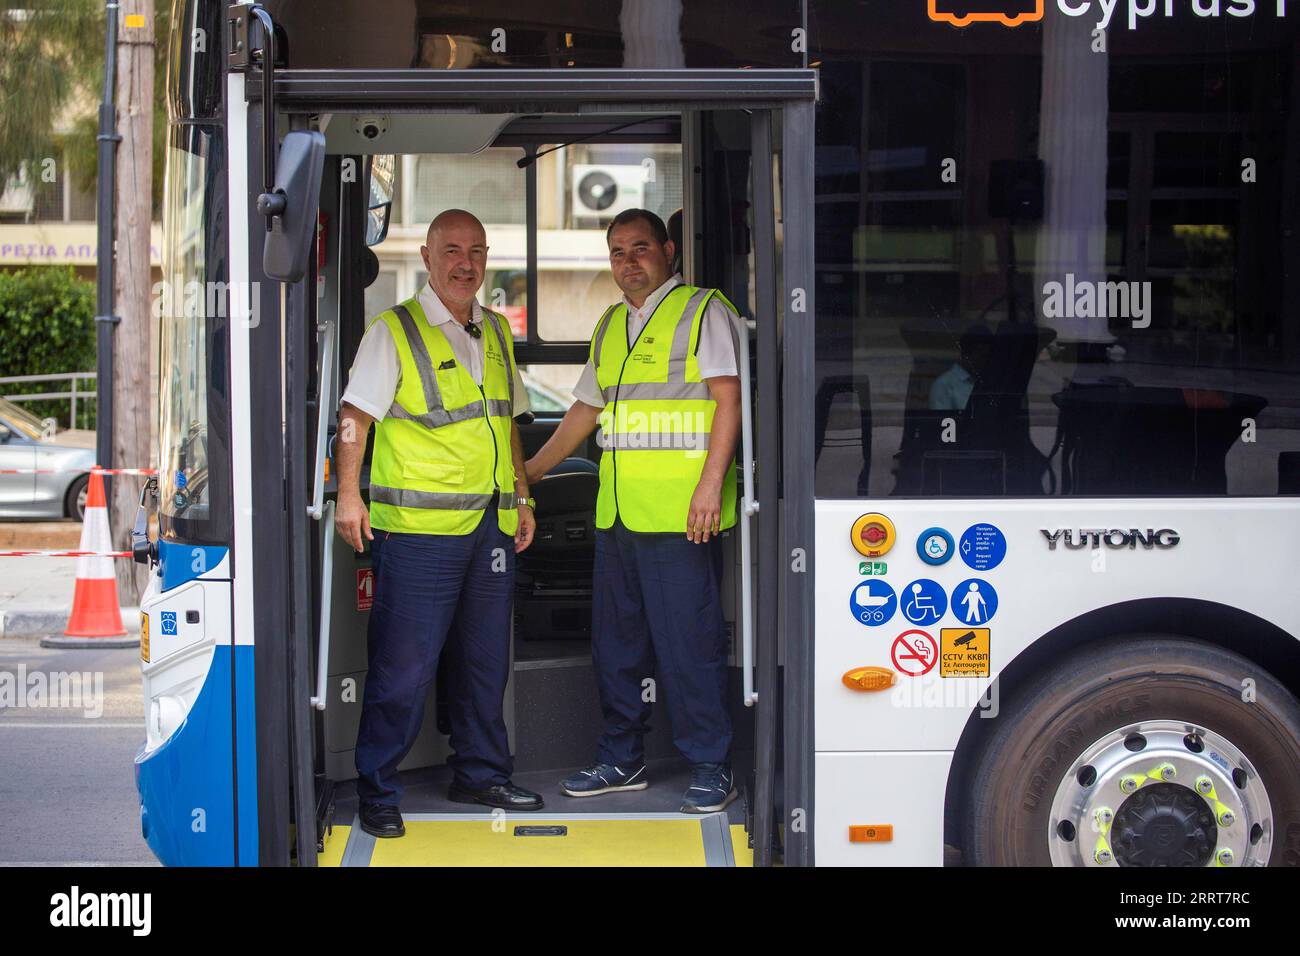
602,192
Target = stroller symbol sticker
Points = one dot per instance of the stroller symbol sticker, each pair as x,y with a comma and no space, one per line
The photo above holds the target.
873,602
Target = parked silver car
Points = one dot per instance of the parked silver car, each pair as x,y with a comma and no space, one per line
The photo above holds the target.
25,444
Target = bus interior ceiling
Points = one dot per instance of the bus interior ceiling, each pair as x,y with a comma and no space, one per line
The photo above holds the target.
552,708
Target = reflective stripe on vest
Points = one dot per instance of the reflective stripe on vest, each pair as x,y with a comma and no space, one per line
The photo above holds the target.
658,414
435,470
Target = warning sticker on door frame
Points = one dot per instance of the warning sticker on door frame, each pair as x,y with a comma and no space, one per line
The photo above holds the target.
365,589
964,651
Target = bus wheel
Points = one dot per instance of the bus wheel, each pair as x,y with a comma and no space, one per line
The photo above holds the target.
1150,751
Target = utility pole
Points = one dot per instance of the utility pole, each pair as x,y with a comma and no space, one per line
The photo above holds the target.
132,279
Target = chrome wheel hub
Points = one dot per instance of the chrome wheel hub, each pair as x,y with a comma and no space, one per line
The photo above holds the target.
1161,793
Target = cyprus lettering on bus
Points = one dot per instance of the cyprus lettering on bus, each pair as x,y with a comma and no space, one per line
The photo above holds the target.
1138,10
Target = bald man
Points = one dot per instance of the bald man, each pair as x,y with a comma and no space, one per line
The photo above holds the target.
449,509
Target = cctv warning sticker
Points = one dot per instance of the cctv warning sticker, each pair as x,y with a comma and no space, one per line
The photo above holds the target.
964,651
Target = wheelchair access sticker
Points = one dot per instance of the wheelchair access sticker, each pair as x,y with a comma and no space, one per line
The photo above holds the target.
873,602
924,602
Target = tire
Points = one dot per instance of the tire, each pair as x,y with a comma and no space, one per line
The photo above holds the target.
73,497
1094,693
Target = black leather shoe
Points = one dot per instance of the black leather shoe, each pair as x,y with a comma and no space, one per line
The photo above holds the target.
504,795
381,821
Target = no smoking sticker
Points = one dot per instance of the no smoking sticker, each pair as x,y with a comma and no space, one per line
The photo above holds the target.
914,653
965,651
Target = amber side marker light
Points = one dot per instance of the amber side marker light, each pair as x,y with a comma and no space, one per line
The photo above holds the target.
880,833
869,678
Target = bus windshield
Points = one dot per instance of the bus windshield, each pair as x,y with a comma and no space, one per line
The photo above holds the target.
189,300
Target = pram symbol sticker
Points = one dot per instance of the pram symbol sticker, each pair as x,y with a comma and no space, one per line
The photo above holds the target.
873,602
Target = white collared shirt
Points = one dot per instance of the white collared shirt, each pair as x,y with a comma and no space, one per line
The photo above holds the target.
377,371
716,354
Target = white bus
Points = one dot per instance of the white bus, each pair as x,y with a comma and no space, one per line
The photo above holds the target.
1013,581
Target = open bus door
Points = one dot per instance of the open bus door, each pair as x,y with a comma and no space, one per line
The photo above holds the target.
295,366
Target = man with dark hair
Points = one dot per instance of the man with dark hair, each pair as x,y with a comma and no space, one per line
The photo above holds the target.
662,381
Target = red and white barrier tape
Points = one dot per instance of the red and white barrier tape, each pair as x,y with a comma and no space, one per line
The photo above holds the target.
78,471
65,554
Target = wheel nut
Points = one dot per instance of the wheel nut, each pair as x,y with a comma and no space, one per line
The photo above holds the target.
1128,784
1227,818
1204,785
1225,857
1167,771
1102,856
1103,816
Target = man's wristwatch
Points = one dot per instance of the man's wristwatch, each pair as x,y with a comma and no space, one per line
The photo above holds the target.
521,502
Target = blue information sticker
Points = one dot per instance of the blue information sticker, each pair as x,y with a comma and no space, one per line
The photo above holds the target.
983,547
923,602
934,546
974,601
873,602
169,622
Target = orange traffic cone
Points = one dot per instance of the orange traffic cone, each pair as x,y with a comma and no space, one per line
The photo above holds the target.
95,614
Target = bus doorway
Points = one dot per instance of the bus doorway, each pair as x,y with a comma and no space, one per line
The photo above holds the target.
539,174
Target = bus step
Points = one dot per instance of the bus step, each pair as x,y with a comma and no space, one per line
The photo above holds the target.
631,839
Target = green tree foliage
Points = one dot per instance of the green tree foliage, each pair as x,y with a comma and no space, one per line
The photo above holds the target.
51,51
45,51
47,326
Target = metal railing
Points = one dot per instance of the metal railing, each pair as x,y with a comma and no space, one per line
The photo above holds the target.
73,393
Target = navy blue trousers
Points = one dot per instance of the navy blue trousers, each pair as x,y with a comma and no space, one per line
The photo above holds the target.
657,614
438,595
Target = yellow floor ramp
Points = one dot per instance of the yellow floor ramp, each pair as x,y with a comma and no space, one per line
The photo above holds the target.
541,839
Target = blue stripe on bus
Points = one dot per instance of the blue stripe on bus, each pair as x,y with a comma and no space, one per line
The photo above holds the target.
245,738
187,790
180,562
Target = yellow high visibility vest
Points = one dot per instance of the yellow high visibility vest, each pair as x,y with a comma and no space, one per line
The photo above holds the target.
654,428
443,449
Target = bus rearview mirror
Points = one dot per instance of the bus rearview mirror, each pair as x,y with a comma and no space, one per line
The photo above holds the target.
291,206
